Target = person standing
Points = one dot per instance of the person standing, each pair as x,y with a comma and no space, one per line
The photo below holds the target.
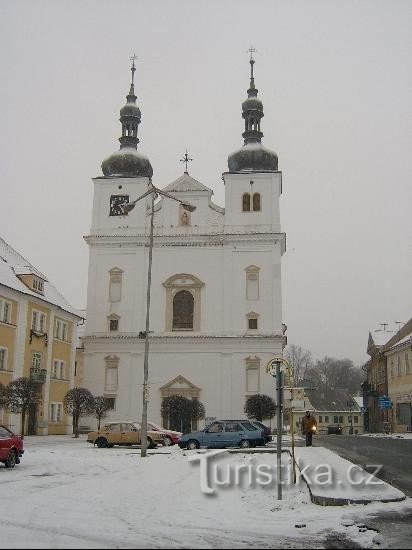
309,425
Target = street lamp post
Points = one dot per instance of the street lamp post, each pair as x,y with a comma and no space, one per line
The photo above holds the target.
153,192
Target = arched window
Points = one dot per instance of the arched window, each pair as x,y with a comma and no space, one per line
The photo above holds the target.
256,202
183,308
246,202
183,297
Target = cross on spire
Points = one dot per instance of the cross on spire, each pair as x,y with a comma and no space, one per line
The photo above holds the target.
133,59
186,159
251,50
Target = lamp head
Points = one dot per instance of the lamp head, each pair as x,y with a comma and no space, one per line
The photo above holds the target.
128,207
189,207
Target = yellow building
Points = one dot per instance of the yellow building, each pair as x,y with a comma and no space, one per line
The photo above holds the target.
399,370
38,340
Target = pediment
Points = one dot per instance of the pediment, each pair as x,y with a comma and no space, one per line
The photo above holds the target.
180,383
187,183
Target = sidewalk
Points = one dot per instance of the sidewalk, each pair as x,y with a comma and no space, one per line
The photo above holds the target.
334,481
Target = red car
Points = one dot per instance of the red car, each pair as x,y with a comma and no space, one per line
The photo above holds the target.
11,447
171,438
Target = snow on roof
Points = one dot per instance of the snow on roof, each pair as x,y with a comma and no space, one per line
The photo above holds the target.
12,264
381,337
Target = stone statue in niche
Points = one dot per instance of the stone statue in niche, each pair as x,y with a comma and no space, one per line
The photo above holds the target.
184,217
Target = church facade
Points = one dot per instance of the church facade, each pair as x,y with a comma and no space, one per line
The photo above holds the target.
216,304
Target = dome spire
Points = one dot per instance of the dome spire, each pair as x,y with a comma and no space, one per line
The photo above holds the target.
128,162
252,108
252,156
130,115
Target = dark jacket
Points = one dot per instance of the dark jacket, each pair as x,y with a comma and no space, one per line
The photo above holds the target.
308,422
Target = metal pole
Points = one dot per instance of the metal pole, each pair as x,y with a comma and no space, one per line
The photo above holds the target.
146,343
279,380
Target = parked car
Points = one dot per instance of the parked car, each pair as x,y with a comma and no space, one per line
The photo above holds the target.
123,433
265,429
224,433
171,437
11,447
337,430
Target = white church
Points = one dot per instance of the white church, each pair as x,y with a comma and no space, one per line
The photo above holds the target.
216,303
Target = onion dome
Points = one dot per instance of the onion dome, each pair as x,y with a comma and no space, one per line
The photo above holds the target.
127,162
252,156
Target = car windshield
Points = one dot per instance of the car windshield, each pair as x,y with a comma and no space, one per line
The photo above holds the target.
154,426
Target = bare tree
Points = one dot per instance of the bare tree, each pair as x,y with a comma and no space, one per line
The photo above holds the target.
78,402
301,361
20,395
100,408
260,407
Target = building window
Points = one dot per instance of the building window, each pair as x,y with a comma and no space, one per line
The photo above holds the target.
335,419
5,311
252,282
183,309
253,323
341,420
111,374
246,202
58,369
252,374
407,370
37,285
3,358
114,325
355,419
55,412
399,366
115,284
252,320
38,321
256,202
326,419
183,302
111,401
320,420
60,330
36,360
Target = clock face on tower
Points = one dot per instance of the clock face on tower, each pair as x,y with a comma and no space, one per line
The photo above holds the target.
116,204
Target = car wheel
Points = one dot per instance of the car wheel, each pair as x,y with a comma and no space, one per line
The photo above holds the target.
167,442
11,460
245,444
192,444
150,444
102,442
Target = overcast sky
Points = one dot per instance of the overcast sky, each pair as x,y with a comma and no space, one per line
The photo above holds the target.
335,78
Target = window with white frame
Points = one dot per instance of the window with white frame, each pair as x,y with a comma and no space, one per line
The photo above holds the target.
38,285
115,284
252,374
60,330
3,358
38,321
58,369
5,311
113,321
36,360
252,282
55,412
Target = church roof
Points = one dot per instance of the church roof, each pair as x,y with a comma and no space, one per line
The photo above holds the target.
13,264
187,183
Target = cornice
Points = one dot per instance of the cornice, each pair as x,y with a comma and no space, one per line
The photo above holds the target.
205,239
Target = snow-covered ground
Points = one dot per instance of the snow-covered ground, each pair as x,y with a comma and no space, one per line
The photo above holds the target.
68,494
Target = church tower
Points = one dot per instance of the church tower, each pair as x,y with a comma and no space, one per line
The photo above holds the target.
253,184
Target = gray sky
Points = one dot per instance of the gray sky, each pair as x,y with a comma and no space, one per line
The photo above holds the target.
335,78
